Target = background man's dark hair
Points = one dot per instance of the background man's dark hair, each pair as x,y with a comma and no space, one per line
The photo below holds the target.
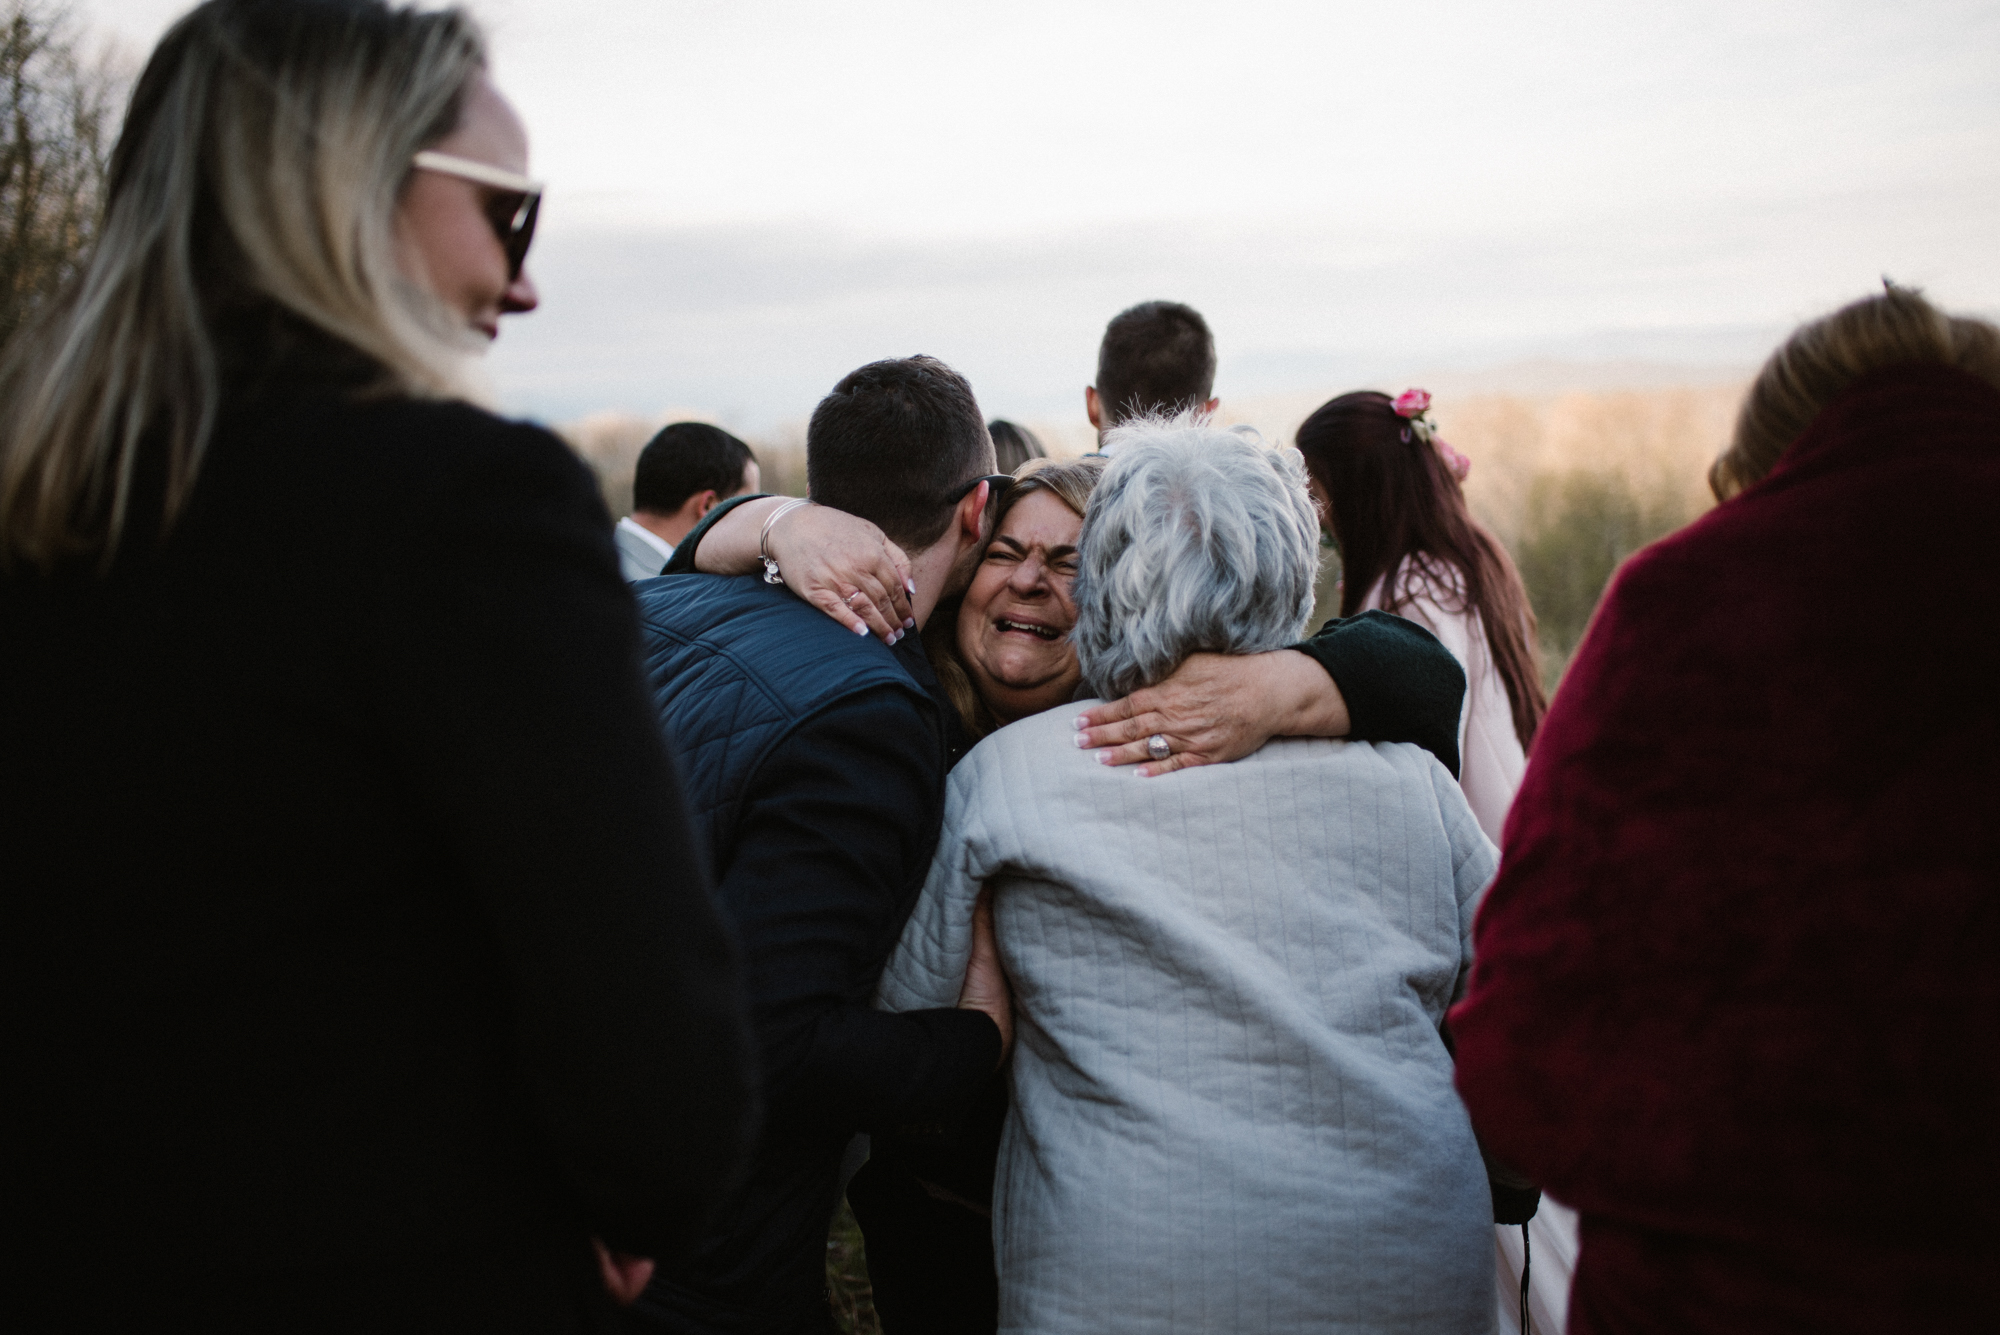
685,458
1156,357
893,442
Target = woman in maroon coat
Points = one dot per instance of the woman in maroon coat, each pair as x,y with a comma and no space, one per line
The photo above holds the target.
1734,997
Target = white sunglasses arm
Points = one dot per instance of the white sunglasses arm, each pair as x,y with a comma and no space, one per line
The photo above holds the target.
468,170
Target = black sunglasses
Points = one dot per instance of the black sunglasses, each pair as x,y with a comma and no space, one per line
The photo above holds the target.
511,212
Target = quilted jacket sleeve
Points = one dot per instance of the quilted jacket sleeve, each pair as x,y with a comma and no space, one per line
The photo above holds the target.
928,966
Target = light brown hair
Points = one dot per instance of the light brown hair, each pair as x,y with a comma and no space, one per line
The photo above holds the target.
1821,359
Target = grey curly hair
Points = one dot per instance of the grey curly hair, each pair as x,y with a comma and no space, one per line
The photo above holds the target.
1198,539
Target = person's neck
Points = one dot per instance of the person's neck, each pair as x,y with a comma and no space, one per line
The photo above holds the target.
931,571
667,528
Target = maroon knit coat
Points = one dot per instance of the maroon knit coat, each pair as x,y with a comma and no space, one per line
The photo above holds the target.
1735,995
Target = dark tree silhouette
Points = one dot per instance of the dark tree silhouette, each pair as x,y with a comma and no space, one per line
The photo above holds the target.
53,148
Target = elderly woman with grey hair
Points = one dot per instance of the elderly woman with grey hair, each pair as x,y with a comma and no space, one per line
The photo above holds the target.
1233,1109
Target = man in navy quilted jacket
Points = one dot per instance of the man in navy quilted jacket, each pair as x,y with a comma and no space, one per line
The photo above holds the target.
815,763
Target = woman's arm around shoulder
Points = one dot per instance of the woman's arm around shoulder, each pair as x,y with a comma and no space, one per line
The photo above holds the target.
1372,677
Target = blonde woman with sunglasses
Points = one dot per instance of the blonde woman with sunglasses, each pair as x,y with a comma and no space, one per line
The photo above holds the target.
363,970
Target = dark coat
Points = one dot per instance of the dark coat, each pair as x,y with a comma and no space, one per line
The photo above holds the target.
360,963
1734,997
815,761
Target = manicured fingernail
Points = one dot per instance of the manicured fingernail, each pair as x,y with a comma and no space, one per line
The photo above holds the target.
1082,742
1104,757
861,629
1081,722
911,585
1145,774
909,623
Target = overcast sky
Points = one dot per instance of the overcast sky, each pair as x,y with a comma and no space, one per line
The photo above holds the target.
749,199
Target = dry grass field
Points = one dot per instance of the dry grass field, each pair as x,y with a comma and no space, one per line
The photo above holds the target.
1573,481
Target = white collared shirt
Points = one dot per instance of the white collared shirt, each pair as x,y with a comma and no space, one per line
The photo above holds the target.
629,527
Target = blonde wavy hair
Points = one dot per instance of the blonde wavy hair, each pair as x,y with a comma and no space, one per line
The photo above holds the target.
1819,361
260,163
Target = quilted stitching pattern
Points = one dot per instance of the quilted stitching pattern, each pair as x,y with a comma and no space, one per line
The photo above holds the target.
734,665
1232,1108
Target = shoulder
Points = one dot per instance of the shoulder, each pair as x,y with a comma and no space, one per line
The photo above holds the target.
1430,590
702,631
1044,737
386,448
458,448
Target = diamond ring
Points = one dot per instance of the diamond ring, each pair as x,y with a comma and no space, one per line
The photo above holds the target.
1157,748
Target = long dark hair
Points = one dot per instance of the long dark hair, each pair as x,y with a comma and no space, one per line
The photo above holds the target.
1397,511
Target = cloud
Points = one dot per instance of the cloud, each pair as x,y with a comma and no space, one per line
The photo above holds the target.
757,322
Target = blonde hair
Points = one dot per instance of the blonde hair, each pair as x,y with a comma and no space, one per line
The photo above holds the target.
1071,481
1821,359
259,166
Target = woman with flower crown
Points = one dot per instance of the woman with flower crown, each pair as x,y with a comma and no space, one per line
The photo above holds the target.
1388,489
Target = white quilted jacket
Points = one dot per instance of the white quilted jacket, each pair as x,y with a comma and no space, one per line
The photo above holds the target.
1232,1110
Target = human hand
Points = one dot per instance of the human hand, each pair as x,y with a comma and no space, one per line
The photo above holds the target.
847,568
1217,708
986,987
625,1276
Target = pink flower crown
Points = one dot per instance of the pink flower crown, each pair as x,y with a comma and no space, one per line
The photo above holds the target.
1413,406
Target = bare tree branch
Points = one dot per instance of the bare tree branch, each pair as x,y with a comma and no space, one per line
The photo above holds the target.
53,153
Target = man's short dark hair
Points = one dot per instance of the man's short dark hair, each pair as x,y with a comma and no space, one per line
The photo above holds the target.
1156,357
893,443
685,458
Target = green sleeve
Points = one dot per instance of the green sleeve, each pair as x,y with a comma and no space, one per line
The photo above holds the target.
683,558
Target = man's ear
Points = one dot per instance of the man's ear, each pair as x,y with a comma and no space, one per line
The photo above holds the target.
971,516
1093,407
1209,410
703,502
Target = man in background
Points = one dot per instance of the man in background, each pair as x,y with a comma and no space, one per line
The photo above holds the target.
1156,358
683,472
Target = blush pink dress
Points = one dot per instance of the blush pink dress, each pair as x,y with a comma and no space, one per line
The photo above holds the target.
1491,763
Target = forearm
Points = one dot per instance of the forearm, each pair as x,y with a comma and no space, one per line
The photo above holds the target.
1302,698
854,1068
1398,683
725,541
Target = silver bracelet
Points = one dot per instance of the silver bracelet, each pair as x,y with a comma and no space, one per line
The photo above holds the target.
771,575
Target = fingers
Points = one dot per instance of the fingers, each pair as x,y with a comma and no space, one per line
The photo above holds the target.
1110,712
1136,727
863,605
986,987
886,586
903,588
1133,753
876,604
1179,760
837,562
1184,756
625,1277
837,607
